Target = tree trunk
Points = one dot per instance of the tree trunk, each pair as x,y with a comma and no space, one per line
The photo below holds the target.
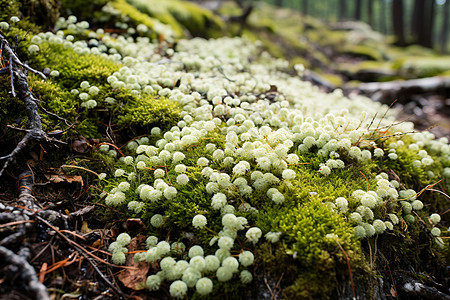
444,32
422,22
370,12
342,9
417,18
279,3
358,6
305,7
429,17
383,24
397,21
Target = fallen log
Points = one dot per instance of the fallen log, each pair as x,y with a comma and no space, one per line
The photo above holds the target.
398,89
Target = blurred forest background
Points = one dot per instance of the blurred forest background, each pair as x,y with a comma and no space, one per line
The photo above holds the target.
389,50
422,22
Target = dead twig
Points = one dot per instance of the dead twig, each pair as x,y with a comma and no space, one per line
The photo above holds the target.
349,268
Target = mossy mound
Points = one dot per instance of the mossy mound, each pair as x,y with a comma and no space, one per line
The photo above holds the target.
181,15
422,66
243,171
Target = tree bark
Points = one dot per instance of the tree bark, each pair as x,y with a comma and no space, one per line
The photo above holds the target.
370,12
444,31
358,6
279,3
342,9
422,22
305,6
383,19
397,21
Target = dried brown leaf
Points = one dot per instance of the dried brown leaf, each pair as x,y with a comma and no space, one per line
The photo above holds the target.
58,178
80,146
135,277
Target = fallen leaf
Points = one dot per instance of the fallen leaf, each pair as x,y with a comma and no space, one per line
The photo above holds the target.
58,178
134,278
393,292
80,146
98,244
135,224
85,228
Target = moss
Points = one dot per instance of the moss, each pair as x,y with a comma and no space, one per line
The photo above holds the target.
414,178
147,111
134,14
370,70
336,80
309,260
299,60
271,47
364,51
9,8
181,15
56,100
414,66
73,67
83,9
55,92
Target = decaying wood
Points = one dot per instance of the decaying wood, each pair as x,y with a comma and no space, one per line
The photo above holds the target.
318,80
379,91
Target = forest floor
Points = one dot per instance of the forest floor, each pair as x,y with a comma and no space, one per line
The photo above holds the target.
69,258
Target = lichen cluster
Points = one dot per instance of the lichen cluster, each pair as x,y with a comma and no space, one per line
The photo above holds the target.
242,162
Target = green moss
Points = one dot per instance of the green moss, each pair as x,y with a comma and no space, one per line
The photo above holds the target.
134,14
299,60
55,92
73,67
414,178
422,66
83,9
368,52
147,111
181,15
306,226
336,80
9,8
10,108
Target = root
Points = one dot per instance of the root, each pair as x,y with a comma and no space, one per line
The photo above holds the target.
19,87
19,265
